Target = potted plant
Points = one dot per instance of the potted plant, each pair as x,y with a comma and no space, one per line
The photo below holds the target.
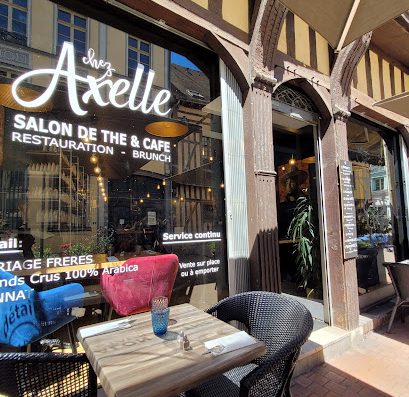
100,245
305,243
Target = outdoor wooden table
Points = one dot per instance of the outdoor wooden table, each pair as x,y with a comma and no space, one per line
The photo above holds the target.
135,362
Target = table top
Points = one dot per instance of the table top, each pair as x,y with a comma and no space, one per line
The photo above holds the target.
135,362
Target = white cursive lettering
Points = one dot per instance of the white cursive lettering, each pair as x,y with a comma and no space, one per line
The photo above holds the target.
66,69
98,64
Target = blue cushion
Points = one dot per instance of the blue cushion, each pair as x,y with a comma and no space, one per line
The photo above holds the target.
18,321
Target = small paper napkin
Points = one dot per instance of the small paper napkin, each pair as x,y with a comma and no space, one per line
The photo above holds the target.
104,328
231,342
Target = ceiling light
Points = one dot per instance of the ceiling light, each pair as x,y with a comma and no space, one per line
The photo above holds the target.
168,129
97,170
93,159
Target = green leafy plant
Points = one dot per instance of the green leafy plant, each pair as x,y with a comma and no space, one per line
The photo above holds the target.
102,240
78,249
45,254
302,232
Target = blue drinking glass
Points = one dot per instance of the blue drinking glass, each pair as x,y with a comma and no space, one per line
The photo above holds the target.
160,320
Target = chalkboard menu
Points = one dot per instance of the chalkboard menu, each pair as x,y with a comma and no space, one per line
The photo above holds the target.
348,210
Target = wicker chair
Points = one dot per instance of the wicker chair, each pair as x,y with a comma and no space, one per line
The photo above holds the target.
46,374
399,274
283,324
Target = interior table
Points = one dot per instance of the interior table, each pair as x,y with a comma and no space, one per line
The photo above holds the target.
133,361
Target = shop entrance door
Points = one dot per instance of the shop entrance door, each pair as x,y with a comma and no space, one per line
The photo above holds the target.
299,210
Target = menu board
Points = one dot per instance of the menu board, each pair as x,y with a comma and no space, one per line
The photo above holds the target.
348,210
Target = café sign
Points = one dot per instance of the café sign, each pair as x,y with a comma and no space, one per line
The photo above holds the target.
96,86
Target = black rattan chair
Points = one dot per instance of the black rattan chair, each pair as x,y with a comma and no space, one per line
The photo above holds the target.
46,375
399,274
283,324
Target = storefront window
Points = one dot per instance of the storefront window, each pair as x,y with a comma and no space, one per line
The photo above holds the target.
103,177
374,204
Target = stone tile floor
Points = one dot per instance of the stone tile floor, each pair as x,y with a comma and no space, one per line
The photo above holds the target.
378,367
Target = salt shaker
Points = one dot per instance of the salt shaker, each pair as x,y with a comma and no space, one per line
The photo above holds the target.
183,341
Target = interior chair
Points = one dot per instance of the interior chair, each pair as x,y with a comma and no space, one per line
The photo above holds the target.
33,315
130,290
46,374
399,274
282,323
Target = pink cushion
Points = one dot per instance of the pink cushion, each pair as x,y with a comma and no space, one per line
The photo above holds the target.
137,281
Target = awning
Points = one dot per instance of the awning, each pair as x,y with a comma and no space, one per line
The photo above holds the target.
398,104
341,22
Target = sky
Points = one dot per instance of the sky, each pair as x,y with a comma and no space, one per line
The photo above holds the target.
182,61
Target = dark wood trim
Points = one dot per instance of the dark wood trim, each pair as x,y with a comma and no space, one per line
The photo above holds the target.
368,74
290,35
387,57
402,79
392,75
216,7
381,82
281,58
313,48
331,58
215,19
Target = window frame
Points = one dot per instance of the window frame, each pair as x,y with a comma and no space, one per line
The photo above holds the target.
72,28
138,51
378,182
10,7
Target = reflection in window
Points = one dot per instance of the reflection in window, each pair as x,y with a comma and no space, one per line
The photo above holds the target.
13,21
73,28
378,184
368,152
138,52
84,199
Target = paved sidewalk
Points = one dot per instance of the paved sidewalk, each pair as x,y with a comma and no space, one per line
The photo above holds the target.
378,367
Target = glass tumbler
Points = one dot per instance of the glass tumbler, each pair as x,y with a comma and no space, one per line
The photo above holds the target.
160,315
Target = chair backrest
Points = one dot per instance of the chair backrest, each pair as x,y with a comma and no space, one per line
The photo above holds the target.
399,274
138,280
46,374
277,320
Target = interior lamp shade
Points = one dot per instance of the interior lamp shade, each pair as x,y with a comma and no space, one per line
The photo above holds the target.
7,100
168,129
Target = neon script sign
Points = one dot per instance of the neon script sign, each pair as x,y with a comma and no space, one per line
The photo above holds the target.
95,85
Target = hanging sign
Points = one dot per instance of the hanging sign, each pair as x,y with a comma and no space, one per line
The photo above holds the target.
115,90
348,210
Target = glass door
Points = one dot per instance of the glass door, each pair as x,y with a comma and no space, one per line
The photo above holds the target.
299,212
